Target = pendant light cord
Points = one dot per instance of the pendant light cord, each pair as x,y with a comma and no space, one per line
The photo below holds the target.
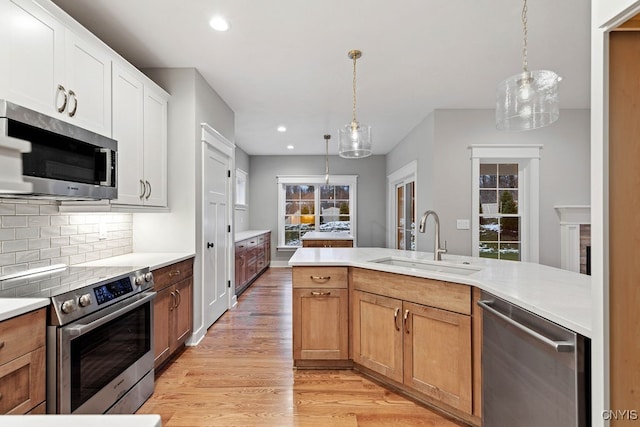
353,120
326,158
525,64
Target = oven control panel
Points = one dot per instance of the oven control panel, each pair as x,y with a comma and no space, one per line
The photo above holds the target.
81,301
110,291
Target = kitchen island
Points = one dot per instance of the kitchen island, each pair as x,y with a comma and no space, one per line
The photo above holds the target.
413,323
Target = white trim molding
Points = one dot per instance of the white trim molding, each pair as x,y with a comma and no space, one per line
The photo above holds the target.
571,217
528,158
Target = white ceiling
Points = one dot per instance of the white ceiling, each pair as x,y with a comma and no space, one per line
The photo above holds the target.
285,61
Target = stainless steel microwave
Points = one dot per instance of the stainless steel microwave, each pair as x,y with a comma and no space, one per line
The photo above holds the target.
65,161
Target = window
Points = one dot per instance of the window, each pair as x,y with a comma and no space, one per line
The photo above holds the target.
505,201
401,190
308,203
499,219
241,188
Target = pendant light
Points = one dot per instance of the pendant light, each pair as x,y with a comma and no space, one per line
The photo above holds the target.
527,100
355,138
326,159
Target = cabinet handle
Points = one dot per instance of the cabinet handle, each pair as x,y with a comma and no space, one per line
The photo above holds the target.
320,277
143,189
64,103
174,273
173,296
395,319
320,294
1,344
406,322
179,298
75,103
0,396
148,186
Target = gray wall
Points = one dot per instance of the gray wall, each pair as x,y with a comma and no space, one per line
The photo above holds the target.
564,170
371,204
241,215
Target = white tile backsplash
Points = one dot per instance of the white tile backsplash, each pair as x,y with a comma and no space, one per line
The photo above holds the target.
34,234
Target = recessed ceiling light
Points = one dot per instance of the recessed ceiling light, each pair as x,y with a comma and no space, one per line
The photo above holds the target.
282,128
290,147
218,23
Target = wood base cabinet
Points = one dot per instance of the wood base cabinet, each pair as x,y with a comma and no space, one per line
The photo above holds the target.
426,349
173,309
253,257
320,315
22,363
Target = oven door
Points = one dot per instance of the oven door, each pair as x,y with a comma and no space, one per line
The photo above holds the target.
100,358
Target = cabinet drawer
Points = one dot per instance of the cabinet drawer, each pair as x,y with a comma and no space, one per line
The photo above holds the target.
22,334
241,246
22,383
320,277
171,274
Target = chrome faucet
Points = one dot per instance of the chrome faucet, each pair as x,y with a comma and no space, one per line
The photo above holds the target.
437,250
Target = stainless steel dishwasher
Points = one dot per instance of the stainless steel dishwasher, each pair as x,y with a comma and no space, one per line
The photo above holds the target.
534,372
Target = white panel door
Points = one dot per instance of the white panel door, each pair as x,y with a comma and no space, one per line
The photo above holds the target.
215,224
128,131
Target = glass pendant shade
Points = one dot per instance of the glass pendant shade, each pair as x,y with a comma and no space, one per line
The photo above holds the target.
528,100
355,141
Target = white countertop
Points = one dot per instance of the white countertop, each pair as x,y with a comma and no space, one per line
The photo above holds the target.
12,307
562,296
247,234
331,235
80,420
153,260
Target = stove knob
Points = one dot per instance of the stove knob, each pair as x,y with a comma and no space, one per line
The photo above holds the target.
84,300
139,280
148,277
68,306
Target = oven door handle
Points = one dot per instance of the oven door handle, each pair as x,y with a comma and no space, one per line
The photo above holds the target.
77,329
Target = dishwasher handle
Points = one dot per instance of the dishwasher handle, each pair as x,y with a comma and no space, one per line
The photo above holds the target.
559,346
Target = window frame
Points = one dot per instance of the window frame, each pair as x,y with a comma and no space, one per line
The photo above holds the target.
316,180
527,156
406,174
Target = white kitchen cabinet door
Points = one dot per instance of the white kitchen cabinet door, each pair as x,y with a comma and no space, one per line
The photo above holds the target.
32,56
128,104
49,69
88,82
155,147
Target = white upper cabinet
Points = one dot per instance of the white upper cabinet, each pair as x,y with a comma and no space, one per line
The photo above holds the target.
128,99
50,69
140,127
155,146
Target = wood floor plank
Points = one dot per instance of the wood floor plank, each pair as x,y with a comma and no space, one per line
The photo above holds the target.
242,374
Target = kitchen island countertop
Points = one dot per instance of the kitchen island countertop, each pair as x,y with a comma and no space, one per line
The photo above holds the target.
562,296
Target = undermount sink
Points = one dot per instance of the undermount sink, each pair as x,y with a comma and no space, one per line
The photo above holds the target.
437,266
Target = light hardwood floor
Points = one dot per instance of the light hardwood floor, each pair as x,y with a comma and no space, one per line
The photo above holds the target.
242,374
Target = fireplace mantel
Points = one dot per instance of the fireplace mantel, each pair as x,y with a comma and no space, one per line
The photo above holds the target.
571,217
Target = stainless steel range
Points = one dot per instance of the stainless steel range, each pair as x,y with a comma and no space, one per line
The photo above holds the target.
99,336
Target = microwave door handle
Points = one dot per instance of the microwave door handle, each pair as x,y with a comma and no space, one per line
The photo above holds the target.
78,329
108,160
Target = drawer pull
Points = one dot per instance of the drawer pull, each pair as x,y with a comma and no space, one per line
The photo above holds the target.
0,396
320,294
320,277
1,344
174,273
395,319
